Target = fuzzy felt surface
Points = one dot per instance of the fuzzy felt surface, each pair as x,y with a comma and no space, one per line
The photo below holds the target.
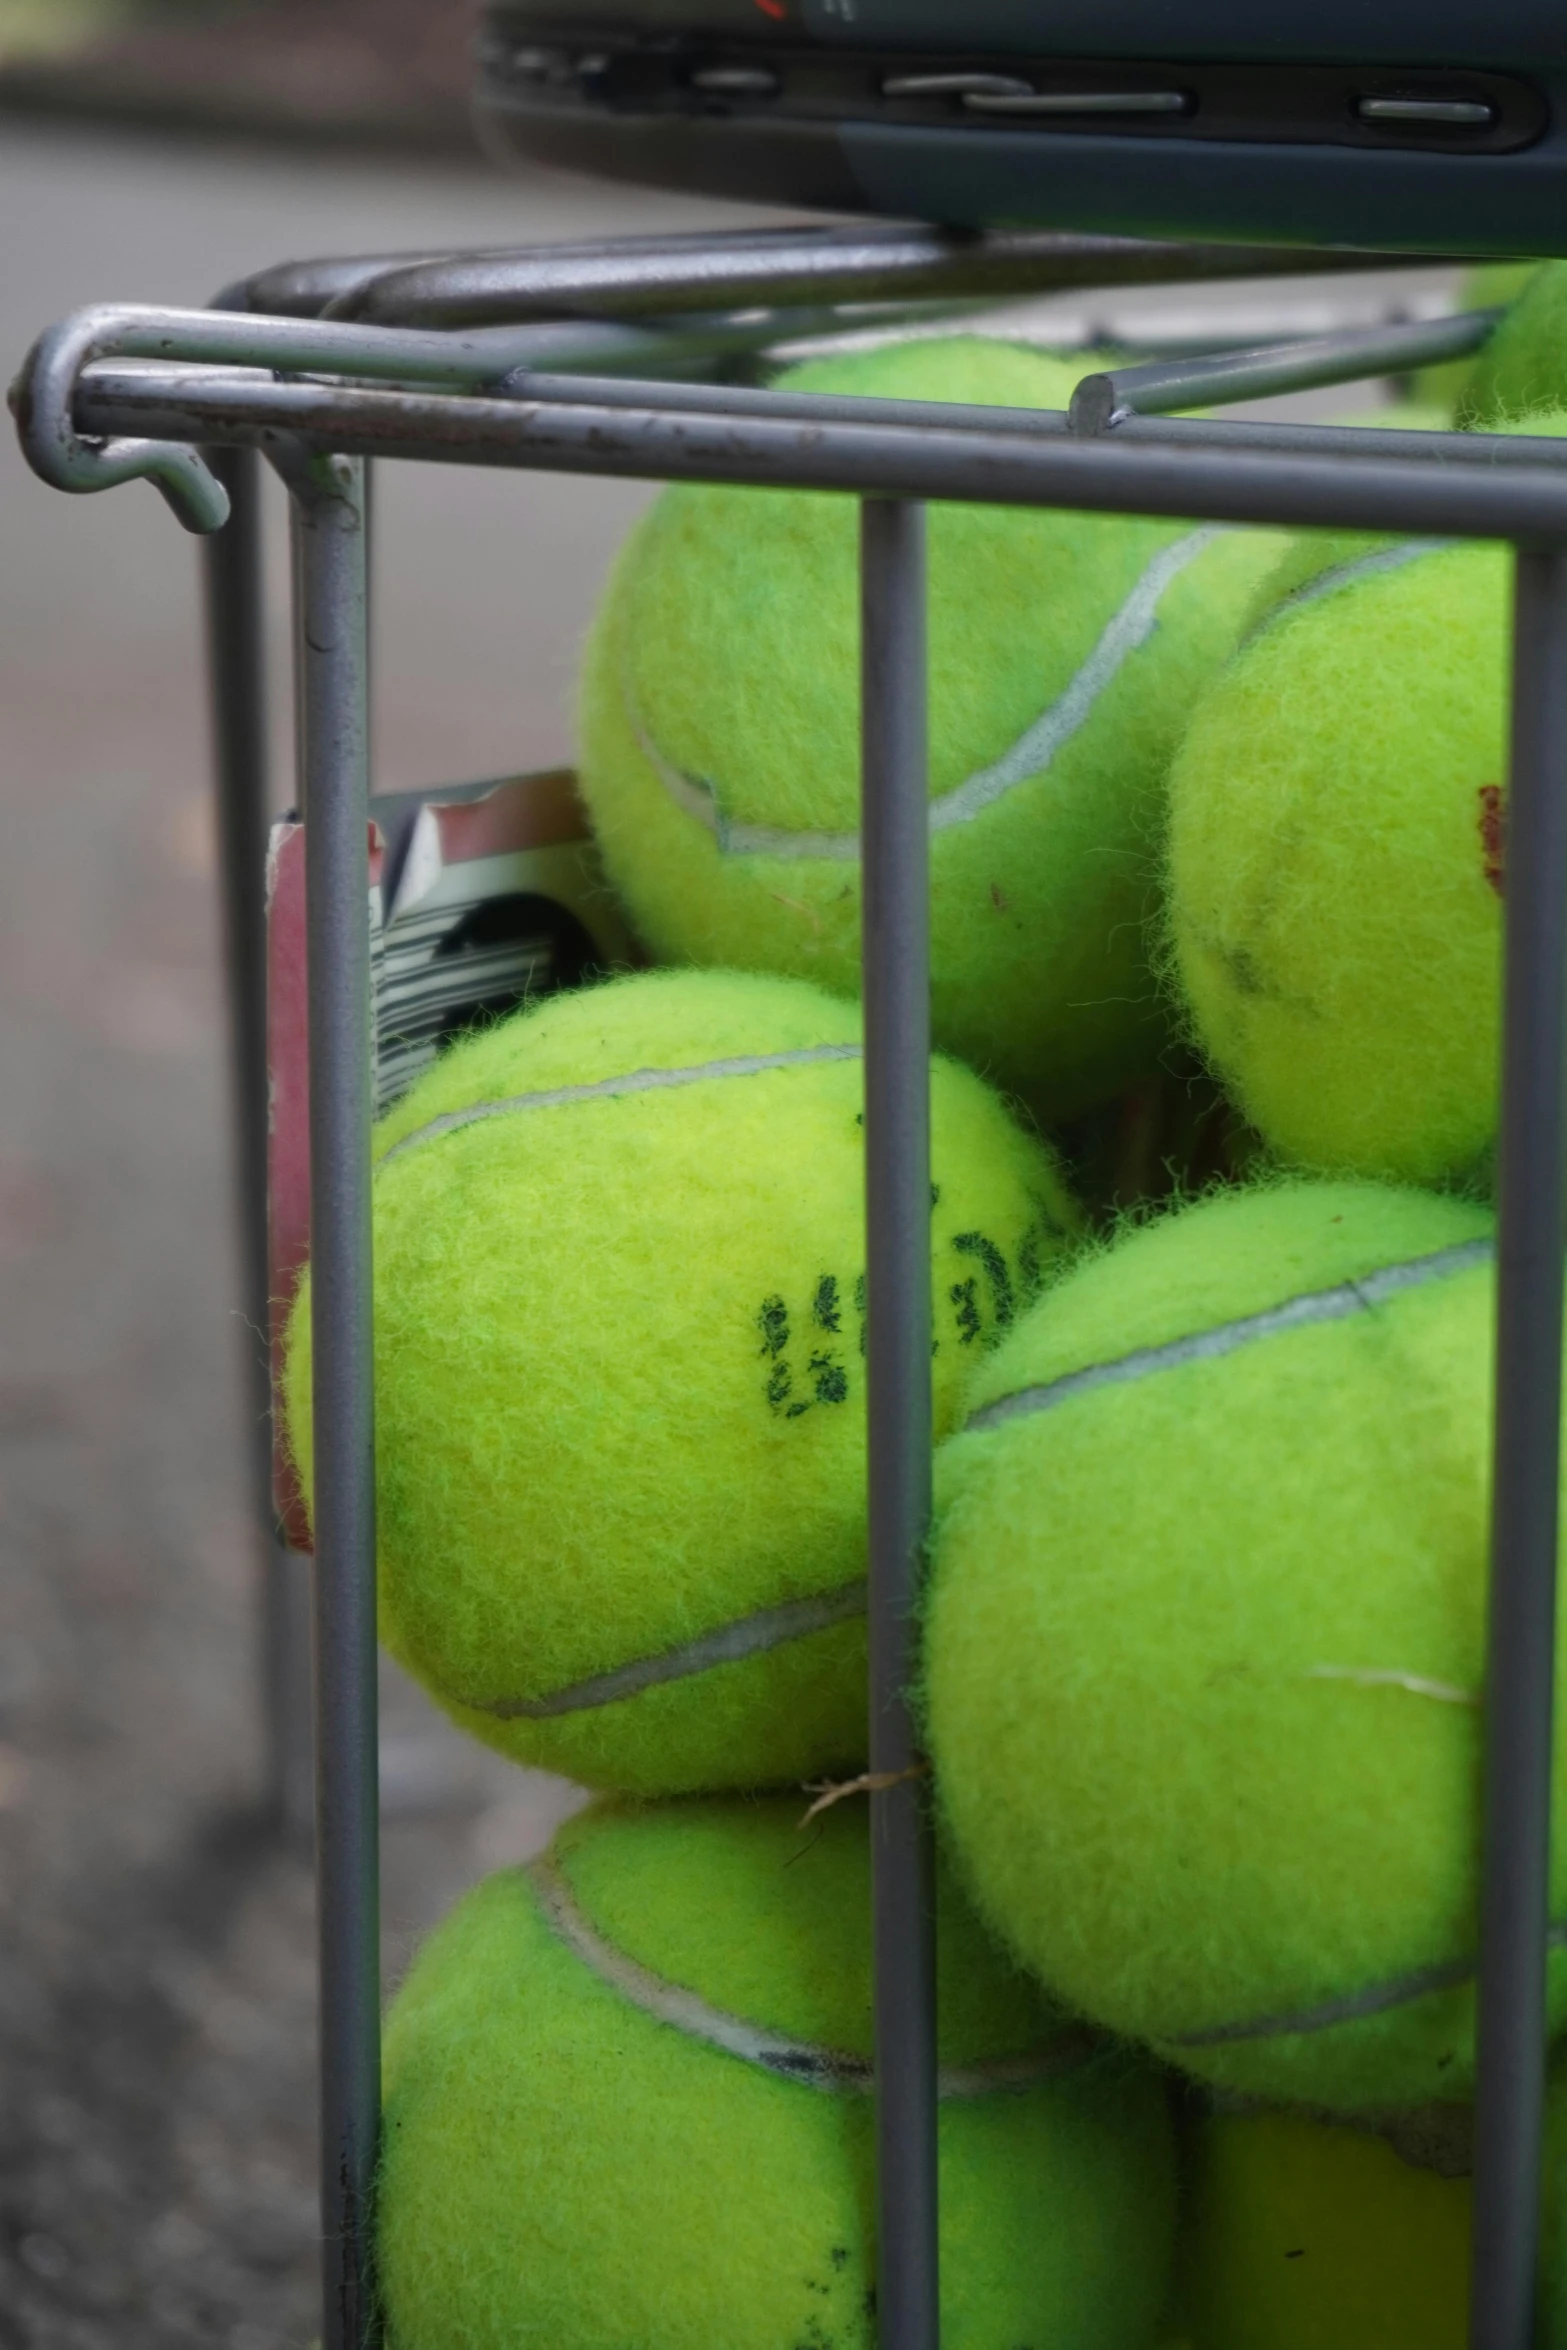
1488,287
1523,364
564,2171
728,644
1336,861
1299,2235
620,1383
1205,1646
1309,555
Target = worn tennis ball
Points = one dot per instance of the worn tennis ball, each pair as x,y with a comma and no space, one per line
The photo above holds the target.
1205,1641
627,2102
1522,365
720,736
1336,854
1491,286
1302,2234
1336,858
1311,557
620,1374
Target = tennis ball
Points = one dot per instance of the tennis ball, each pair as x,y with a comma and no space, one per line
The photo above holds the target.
1310,555
1336,858
1205,1640
1489,287
620,1383
1301,2234
627,2102
1522,365
720,736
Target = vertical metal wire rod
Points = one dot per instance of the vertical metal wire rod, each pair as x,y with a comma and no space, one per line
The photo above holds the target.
1531,1186
236,664
895,852
328,514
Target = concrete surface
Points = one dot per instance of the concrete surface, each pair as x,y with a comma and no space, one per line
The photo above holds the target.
156,1959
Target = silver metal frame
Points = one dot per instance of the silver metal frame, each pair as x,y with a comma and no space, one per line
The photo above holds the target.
482,360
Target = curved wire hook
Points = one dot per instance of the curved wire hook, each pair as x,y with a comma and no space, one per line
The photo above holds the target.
43,401
44,395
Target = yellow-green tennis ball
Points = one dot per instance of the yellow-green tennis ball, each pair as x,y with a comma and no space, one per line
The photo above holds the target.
1489,287
627,2108
1205,1640
1336,859
620,1377
1310,555
1522,366
720,736
1299,2234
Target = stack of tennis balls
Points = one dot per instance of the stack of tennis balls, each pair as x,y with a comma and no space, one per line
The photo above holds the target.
620,1384
1204,1633
720,736
1335,884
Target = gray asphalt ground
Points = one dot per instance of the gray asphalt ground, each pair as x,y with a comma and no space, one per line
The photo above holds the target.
156,2116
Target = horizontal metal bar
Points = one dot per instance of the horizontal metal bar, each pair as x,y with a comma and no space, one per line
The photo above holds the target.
1204,472
103,384
312,288
1215,378
574,278
304,289
1475,452
44,393
812,265
466,361
1138,336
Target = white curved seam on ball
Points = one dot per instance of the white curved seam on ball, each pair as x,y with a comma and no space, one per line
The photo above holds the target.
812,2066
1352,2007
1032,754
612,1088
1342,575
1390,1677
1226,1338
727,1644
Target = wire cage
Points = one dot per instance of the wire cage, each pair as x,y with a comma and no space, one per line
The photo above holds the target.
611,360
